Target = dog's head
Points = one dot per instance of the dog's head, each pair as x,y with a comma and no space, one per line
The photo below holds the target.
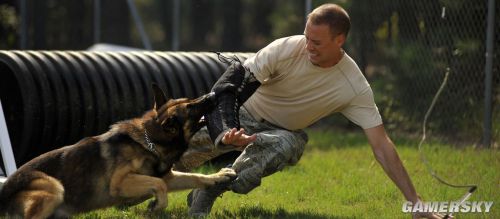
175,121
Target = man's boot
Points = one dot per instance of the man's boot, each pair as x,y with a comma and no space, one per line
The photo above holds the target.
200,201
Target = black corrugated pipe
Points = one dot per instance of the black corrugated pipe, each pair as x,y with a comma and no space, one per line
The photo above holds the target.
55,98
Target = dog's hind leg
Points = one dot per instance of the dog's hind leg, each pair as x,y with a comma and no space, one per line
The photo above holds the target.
40,198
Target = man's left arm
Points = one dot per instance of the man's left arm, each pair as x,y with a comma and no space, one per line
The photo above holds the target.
385,153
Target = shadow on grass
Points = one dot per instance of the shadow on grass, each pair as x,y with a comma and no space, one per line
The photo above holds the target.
259,212
181,212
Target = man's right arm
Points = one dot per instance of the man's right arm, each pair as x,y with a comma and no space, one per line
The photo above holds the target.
232,89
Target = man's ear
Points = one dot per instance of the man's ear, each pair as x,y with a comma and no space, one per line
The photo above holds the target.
159,96
340,40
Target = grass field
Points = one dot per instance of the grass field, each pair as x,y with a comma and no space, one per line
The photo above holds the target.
338,177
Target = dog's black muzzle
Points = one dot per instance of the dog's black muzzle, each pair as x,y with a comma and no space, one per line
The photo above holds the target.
205,103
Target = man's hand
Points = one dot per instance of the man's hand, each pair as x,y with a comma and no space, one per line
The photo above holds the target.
238,138
429,215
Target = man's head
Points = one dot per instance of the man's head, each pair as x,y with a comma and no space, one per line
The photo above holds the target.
326,31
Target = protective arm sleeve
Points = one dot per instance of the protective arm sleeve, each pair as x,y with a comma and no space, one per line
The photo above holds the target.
232,89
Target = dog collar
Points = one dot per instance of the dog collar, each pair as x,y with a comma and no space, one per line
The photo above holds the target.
150,145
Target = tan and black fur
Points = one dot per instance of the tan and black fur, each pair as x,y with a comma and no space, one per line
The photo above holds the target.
117,167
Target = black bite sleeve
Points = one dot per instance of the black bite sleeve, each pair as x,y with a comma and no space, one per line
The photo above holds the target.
232,89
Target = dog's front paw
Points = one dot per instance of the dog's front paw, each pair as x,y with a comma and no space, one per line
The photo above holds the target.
225,175
156,205
152,205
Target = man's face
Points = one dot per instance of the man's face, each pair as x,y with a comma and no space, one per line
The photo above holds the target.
323,49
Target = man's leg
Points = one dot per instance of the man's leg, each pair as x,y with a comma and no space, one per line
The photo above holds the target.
271,152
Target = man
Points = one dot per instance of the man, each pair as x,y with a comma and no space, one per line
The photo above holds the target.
287,86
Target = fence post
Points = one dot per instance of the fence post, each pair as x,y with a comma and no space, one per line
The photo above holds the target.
140,26
97,21
23,32
488,80
308,8
176,24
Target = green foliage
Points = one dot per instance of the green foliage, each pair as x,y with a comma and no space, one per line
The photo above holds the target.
406,48
8,26
287,20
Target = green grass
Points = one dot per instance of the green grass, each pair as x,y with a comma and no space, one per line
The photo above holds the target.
338,177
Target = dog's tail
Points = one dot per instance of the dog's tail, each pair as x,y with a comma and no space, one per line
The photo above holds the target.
10,188
21,181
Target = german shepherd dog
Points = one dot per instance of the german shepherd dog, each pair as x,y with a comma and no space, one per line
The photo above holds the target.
126,165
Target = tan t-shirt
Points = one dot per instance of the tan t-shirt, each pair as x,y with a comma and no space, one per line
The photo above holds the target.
295,93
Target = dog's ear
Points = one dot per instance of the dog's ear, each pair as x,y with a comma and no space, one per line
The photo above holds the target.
159,96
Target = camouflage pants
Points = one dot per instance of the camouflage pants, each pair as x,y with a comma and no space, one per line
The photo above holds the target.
273,149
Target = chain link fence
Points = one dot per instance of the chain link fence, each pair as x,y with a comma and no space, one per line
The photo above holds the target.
405,48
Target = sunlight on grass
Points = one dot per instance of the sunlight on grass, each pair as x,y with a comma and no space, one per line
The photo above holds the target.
338,177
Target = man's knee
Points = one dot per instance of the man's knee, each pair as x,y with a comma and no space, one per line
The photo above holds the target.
288,146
